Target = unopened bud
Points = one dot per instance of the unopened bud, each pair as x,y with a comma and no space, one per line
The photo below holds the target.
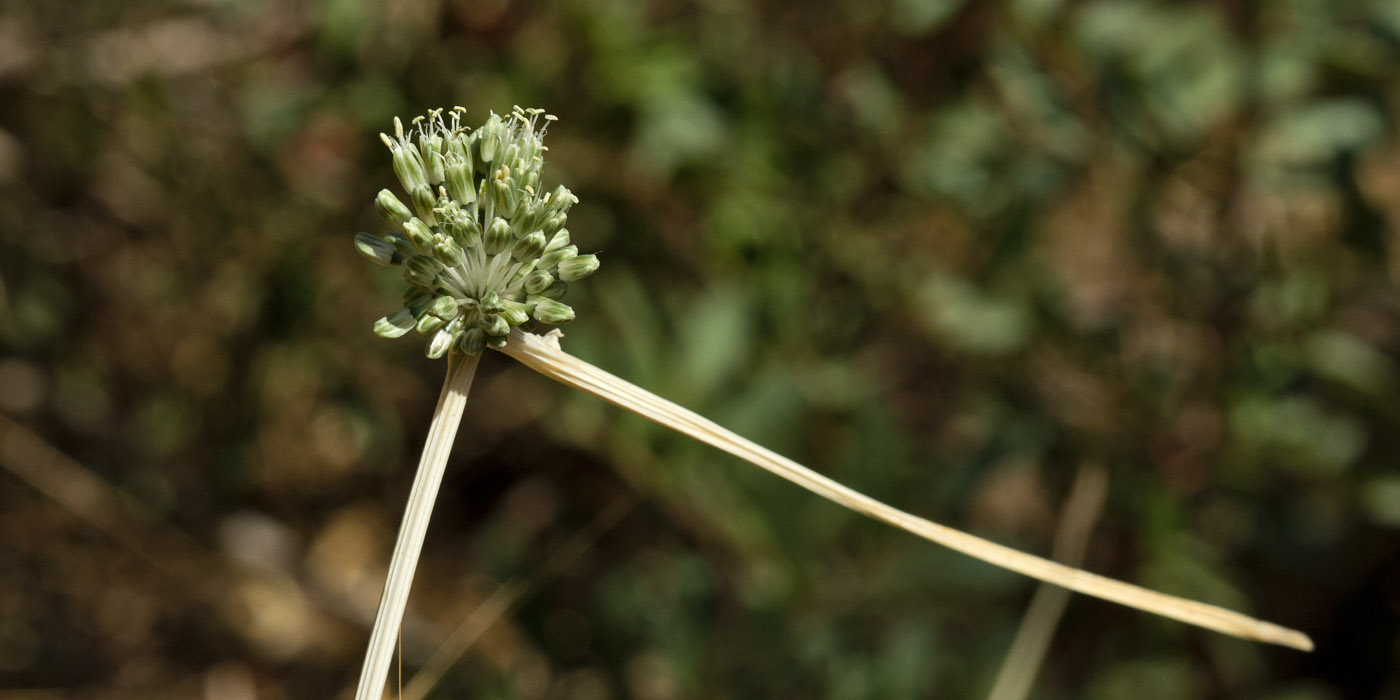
497,236
473,341
538,281
375,249
391,208
420,234
578,267
459,183
550,311
528,247
428,323
444,307
551,260
395,324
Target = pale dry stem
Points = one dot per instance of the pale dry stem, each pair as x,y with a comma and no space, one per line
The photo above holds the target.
542,354
448,415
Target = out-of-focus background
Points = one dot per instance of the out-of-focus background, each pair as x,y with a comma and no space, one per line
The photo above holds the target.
951,253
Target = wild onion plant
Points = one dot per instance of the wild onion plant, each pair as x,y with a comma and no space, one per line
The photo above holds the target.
484,251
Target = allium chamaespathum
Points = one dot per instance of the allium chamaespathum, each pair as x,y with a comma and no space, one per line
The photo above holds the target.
484,248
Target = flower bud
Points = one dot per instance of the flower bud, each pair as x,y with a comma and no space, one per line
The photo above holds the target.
421,270
445,307
395,324
497,236
578,267
459,183
420,234
391,208
559,240
375,249
556,290
497,341
490,139
550,311
490,303
416,300
528,247
494,324
431,146
425,201
443,340
538,281
428,323
514,312
408,165
448,252
551,260
402,245
554,223
473,341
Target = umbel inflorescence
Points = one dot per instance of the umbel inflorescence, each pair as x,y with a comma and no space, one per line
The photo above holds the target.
483,248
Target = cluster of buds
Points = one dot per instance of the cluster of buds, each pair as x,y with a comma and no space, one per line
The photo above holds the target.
483,247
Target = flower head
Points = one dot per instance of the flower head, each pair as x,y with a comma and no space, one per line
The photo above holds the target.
482,246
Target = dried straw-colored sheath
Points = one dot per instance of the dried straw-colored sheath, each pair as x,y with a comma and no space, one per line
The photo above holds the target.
542,354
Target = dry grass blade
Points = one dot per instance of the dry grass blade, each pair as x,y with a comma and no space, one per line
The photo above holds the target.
1027,653
543,355
414,528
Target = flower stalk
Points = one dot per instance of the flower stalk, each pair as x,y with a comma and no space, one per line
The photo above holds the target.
543,354
431,466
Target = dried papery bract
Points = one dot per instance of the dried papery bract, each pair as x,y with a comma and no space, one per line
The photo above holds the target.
544,355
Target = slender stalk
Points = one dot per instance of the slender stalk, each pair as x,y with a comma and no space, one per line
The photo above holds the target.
543,354
1027,653
448,415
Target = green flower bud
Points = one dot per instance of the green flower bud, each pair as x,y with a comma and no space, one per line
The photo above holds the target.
505,195
528,247
494,324
490,303
442,342
554,223
425,201
375,249
497,342
538,281
408,165
420,234
559,240
556,290
497,236
417,300
490,139
391,208
431,147
550,311
395,324
473,341
428,323
421,270
578,267
552,259
448,252
445,308
402,245
459,183
514,312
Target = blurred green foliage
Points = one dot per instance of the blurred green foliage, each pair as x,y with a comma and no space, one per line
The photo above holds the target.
943,251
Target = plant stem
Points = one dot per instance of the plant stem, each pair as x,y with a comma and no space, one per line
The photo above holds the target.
448,415
543,354
1027,652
